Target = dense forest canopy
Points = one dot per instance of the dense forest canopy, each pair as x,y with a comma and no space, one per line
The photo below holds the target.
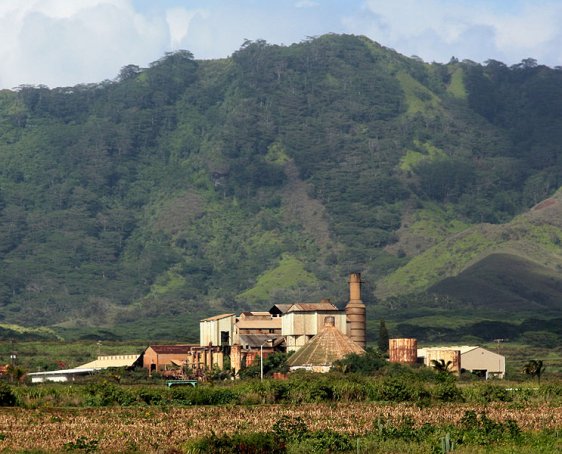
192,187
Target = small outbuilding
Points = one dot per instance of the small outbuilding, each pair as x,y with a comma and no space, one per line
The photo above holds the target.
474,359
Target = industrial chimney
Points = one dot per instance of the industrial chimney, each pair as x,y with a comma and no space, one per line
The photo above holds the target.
355,312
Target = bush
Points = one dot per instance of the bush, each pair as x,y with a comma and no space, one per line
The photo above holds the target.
322,441
152,395
104,394
448,392
479,429
204,395
7,396
253,442
395,390
494,393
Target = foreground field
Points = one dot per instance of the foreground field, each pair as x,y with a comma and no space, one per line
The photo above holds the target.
157,429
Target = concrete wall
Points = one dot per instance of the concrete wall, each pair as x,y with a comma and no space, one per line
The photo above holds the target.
160,361
210,330
299,327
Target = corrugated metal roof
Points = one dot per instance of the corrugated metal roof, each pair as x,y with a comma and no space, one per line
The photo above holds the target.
172,349
256,340
75,371
217,317
312,307
323,349
255,314
463,349
273,323
282,308
104,362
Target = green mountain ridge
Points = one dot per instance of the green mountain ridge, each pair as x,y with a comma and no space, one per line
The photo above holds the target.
140,205
529,242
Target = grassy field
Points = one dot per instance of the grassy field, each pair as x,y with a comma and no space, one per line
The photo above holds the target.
51,355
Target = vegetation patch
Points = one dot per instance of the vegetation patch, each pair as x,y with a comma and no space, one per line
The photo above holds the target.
289,274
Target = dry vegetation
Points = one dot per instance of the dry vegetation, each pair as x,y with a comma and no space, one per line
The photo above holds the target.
150,429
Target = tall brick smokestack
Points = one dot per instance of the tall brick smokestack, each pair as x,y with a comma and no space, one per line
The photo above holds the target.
355,312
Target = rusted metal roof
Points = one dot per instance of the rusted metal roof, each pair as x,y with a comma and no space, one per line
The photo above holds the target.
272,323
217,317
256,340
313,307
249,314
171,349
280,308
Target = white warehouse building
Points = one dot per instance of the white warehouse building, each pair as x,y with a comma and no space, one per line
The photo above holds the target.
473,359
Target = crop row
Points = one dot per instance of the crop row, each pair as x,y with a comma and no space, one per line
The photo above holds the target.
160,429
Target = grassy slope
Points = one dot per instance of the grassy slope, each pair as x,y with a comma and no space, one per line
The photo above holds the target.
524,250
289,274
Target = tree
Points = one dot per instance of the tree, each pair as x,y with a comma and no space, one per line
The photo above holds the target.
535,368
383,337
367,363
441,366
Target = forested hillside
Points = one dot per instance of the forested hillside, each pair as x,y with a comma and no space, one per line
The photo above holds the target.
139,205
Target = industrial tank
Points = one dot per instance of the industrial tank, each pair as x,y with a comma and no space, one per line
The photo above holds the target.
403,351
446,355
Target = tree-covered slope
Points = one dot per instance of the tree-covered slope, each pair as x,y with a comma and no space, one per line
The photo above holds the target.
191,187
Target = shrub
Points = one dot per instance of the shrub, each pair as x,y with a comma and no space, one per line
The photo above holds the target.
448,392
152,395
7,396
290,429
395,390
204,395
104,394
322,441
480,429
492,393
253,442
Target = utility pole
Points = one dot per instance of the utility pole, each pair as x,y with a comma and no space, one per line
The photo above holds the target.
498,341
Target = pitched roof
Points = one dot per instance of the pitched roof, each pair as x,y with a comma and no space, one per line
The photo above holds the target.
172,349
313,307
272,323
323,349
103,362
217,317
256,340
463,349
280,308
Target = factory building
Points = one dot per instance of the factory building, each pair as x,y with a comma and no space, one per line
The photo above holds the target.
286,327
303,321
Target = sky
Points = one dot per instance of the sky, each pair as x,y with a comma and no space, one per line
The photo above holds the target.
69,42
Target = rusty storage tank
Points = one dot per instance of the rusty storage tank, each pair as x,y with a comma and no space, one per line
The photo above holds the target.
403,351
445,355
355,312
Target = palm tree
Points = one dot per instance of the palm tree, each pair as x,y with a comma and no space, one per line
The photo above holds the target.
441,366
535,368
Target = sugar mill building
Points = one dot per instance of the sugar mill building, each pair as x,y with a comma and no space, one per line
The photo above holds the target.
286,327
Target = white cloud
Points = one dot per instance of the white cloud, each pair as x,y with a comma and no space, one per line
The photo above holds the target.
57,42
66,42
476,30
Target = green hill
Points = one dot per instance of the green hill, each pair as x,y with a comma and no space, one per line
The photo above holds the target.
491,264
138,206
